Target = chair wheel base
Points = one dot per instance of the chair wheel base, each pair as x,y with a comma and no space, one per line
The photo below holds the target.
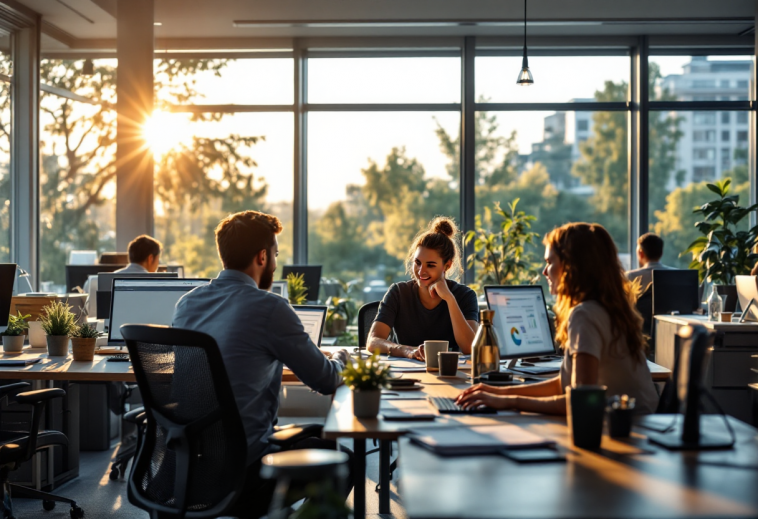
76,512
114,474
48,505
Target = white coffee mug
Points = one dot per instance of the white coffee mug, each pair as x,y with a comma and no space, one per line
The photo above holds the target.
431,349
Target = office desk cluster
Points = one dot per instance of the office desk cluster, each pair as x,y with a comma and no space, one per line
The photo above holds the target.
625,478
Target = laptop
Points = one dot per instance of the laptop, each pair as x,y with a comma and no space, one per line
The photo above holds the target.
313,318
747,292
145,301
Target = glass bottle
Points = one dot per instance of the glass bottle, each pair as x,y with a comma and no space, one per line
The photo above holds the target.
714,305
485,351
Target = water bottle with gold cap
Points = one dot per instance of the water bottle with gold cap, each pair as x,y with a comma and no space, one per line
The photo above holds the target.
485,350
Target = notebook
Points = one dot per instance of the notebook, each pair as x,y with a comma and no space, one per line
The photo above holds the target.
485,439
18,362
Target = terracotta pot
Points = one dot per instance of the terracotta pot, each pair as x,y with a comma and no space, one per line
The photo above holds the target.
84,349
366,403
13,343
57,345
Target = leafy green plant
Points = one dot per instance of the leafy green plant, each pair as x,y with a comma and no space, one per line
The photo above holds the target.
341,308
58,319
296,289
723,252
504,257
84,331
366,374
17,325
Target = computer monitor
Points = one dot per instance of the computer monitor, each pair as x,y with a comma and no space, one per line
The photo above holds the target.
7,278
77,275
145,301
313,318
747,291
279,288
105,284
311,276
675,291
520,321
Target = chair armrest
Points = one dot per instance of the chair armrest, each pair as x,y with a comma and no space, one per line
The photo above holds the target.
289,435
136,416
4,390
41,395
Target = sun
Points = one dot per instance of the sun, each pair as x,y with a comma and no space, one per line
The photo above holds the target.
164,131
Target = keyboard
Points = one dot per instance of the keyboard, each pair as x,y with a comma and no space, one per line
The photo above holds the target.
448,406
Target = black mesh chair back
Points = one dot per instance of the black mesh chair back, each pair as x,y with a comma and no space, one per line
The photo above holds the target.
192,460
645,308
366,315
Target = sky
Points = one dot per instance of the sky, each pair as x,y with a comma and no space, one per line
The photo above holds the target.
340,144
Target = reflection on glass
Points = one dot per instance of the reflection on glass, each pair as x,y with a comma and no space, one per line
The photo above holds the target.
77,165
216,167
374,180
701,78
384,80
563,166
685,156
561,79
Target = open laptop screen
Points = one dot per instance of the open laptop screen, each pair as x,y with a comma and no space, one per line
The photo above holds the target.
313,318
146,301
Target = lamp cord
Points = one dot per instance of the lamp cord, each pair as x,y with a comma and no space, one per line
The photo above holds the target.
525,27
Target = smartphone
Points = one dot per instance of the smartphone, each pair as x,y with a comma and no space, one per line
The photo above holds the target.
534,455
496,376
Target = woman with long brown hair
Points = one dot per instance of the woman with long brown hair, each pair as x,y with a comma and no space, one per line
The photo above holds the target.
597,326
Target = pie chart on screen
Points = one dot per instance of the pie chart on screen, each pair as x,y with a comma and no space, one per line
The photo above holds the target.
515,336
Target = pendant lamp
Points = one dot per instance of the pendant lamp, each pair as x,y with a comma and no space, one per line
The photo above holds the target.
525,76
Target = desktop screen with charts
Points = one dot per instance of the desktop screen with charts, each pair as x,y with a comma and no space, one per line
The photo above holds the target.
520,321
146,301
313,318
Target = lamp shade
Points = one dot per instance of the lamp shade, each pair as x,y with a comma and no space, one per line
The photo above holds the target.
525,77
88,68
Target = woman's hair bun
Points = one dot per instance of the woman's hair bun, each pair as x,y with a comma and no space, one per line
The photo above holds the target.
444,226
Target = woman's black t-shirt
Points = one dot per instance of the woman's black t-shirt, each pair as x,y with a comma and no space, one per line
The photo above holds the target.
403,310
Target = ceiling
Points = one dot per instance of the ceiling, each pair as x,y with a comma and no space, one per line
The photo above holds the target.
237,24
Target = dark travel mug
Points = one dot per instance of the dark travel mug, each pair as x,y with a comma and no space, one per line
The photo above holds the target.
448,362
585,410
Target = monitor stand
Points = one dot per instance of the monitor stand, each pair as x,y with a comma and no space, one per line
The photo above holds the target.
674,440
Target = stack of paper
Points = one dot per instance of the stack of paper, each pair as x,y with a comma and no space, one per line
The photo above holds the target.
487,439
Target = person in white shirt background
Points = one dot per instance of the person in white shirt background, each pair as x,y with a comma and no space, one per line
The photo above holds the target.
649,253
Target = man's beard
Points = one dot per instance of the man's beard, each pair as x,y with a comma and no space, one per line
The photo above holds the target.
267,278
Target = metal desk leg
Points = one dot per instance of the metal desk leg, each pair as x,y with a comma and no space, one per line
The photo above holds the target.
385,450
359,491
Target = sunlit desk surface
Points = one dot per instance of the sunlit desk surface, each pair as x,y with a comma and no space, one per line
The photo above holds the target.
64,368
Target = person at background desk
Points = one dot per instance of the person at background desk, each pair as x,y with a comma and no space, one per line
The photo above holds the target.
429,306
257,333
144,255
649,253
597,326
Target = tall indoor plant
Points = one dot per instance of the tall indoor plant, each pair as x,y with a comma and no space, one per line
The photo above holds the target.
723,251
58,322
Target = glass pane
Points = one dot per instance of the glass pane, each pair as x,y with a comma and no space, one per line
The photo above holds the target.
562,166
701,78
384,80
5,160
225,81
77,166
375,180
687,151
556,79
205,170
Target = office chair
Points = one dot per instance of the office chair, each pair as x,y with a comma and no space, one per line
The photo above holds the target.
17,447
644,306
192,458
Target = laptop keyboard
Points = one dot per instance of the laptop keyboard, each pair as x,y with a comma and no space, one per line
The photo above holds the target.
448,406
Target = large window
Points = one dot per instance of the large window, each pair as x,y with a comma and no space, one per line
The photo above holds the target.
5,159
374,181
701,78
77,164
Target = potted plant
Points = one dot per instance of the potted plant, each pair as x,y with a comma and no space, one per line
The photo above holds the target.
724,251
296,289
504,257
341,312
83,342
14,336
366,378
58,321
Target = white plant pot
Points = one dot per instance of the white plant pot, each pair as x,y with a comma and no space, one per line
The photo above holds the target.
13,343
366,403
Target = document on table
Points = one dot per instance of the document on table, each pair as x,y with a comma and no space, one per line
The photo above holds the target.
490,439
406,365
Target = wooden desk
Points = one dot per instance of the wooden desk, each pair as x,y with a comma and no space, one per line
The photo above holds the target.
64,368
624,479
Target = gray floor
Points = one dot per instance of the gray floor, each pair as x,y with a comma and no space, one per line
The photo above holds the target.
101,497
